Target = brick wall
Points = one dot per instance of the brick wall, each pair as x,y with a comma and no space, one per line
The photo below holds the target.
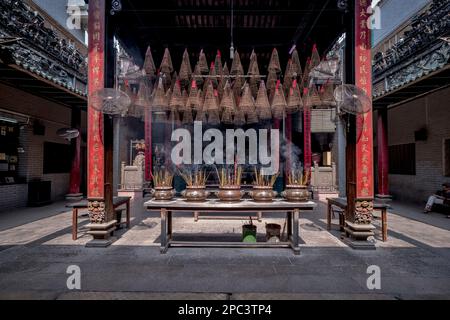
54,117
432,112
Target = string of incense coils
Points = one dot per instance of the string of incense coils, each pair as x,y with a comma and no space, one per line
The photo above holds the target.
214,94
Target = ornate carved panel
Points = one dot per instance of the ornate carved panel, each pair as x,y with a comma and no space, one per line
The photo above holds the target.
40,49
364,212
97,212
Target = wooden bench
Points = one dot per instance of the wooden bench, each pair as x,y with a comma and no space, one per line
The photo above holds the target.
117,202
339,206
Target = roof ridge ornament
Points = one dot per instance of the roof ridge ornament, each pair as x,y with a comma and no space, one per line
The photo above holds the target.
116,6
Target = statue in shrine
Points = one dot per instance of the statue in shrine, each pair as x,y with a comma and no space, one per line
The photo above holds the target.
139,160
133,176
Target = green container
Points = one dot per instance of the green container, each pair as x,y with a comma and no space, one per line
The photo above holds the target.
249,233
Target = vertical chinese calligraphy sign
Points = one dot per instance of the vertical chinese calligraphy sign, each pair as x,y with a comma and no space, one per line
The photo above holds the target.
307,136
363,69
148,145
96,82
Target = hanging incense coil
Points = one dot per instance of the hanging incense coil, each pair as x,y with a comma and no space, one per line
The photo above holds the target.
247,104
166,64
237,87
213,75
297,66
236,67
237,70
218,64
221,88
305,80
274,64
312,97
327,95
133,110
166,68
149,63
201,99
143,98
160,102
185,70
197,76
176,100
203,64
239,117
210,103
252,118
288,77
193,101
294,101
272,81
262,104
226,71
279,102
227,117
228,103
254,74
315,58
169,94
175,79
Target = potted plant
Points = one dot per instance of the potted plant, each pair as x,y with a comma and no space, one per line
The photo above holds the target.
263,187
230,184
196,185
297,187
249,232
163,185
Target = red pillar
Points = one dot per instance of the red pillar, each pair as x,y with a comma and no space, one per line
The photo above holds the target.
360,187
100,135
383,154
75,172
364,122
96,150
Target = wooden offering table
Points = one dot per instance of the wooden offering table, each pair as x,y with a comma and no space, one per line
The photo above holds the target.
168,208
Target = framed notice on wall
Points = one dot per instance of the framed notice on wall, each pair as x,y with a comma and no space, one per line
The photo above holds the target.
9,157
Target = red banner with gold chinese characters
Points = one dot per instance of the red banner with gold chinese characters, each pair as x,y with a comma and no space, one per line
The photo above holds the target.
363,69
96,82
